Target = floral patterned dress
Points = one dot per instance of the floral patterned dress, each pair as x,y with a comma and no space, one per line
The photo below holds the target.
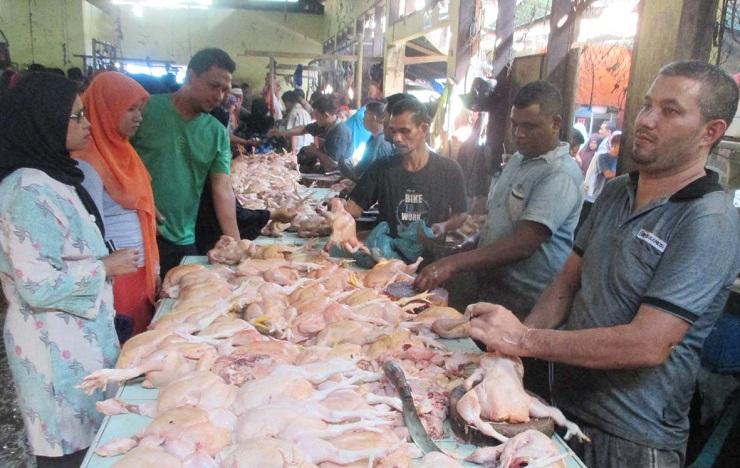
59,325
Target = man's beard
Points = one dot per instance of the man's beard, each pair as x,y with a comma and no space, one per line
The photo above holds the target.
664,157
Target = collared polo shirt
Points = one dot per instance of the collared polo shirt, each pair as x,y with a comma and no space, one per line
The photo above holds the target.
547,190
679,255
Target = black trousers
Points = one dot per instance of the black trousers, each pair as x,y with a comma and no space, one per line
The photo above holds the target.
171,254
73,460
207,230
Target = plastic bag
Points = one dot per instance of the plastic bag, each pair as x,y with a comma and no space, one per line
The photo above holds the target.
406,246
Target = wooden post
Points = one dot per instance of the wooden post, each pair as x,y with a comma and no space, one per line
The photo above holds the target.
360,38
465,46
393,69
561,65
272,86
457,36
499,115
667,30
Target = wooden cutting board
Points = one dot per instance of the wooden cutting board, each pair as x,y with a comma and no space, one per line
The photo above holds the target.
320,180
471,435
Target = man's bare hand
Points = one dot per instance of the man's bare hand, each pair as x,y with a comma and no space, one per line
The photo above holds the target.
439,230
478,206
433,275
497,327
283,215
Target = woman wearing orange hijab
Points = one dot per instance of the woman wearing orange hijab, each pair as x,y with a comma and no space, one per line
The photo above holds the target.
121,187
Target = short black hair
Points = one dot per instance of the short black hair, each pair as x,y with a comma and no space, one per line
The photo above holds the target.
290,97
540,92
74,73
300,93
394,99
719,92
577,138
413,105
376,108
204,59
326,104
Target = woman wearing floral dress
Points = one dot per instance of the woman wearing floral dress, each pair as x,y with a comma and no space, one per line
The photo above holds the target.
54,268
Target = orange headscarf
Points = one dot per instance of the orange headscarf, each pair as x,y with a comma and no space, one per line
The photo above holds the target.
124,175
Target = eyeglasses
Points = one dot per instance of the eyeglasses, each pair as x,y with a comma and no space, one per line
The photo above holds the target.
78,116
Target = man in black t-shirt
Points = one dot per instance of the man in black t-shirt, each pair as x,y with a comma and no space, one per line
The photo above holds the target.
417,184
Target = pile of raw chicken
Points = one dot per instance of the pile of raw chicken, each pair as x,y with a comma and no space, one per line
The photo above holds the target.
272,357
270,182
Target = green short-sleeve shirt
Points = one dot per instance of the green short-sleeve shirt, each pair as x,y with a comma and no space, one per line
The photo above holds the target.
179,155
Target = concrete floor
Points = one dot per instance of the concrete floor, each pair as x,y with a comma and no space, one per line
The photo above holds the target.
14,451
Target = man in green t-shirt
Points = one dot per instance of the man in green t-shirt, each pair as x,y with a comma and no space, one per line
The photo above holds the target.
181,145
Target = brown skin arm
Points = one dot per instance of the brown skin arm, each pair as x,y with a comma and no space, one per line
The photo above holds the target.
233,139
553,306
647,341
326,162
353,208
454,222
295,131
521,244
224,204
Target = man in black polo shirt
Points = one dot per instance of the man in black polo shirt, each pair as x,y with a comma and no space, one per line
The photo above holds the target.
650,273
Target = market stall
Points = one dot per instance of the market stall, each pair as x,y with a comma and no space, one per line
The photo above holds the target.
132,393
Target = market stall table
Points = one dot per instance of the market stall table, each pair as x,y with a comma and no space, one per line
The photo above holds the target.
132,392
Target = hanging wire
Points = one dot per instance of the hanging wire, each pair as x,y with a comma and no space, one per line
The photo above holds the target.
30,31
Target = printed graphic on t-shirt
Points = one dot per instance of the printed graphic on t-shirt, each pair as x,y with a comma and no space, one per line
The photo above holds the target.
412,208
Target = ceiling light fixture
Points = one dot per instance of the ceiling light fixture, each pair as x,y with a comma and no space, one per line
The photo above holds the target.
201,4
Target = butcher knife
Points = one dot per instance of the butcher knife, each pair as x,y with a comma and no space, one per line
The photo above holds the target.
419,435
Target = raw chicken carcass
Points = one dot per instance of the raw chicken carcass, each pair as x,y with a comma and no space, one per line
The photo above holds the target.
343,229
229,251
148,457
277,388
348,331
528,448
363,440
173,277
142,345
299,420
386,272
161,367
500,396
202,389
182,432
264,452
438,460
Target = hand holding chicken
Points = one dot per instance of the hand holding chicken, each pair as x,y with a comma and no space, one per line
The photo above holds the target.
343,229
497,327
